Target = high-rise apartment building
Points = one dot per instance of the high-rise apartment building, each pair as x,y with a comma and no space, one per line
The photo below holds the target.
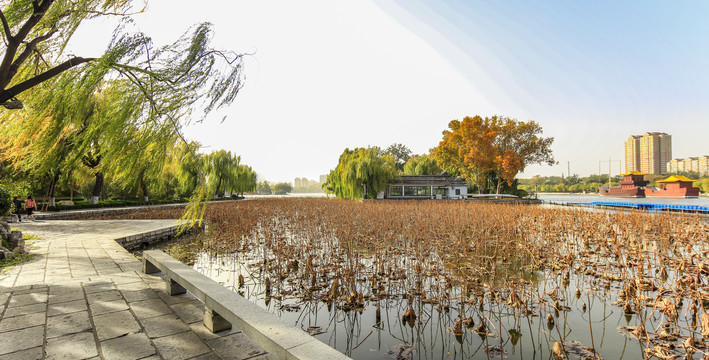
632,153
648,153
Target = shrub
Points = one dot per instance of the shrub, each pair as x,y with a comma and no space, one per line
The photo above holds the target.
6,205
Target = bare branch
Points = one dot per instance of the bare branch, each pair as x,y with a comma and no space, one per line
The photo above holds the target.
5,26
14,42
29,48
134,79
27,84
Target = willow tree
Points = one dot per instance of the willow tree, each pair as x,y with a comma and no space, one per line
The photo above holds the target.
148,161
139,87
191,168
361,172
421,165
243,180
35,33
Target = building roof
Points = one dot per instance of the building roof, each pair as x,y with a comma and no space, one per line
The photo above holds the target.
633,173
438,180
677,178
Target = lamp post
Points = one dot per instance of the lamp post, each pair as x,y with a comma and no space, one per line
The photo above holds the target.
609,161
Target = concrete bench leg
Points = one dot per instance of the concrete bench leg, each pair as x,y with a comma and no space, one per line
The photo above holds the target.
215,322
174,288
149,268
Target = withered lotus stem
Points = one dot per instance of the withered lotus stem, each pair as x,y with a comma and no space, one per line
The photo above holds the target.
458,328
409,314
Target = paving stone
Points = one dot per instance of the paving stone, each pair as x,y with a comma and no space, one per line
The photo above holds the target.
236,346
126,278
160,326
23,289
68,324
205,334
174,299
150,308
55,298
139,295
108,307
66,307
21,322
180,346
129,347
104,296
264,357
208,356
115,324
74,346
24,310
189,312
82,263
29,354
28,299
92,287
23,339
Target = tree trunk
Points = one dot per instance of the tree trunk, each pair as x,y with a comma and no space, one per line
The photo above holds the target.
52,187
143,187
499,186
219,184
98,187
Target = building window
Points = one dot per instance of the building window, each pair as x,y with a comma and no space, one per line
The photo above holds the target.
439,191
457,191
395,191
424,190
417,191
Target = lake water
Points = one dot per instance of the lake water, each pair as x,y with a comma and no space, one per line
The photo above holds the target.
582,300
569,198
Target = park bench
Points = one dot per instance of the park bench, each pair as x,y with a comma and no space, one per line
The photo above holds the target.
224,308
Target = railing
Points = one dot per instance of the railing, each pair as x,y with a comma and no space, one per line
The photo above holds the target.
224,309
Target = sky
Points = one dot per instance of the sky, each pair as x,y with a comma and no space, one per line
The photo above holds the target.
326,75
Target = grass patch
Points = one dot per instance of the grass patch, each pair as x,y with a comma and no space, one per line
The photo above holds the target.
19,258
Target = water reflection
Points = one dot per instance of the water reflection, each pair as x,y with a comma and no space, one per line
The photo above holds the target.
581,310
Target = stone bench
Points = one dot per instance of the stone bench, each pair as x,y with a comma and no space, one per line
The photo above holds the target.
224,308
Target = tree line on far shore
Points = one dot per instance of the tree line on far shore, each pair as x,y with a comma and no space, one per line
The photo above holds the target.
590,184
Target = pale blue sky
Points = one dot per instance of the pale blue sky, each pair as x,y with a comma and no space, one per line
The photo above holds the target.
330,74
592,73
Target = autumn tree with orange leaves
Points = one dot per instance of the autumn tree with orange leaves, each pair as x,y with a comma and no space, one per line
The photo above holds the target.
479,146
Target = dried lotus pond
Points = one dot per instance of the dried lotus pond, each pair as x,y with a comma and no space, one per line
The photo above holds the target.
465,280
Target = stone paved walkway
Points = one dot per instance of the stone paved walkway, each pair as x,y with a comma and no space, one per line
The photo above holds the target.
85,297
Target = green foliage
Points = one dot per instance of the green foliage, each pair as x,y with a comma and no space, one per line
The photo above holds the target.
282,188
421,165
120,114
18,259
401,154
6,205
225,173
361,171
570,184
263,188
703,185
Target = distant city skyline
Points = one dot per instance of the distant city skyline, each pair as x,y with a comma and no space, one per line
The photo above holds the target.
326,75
